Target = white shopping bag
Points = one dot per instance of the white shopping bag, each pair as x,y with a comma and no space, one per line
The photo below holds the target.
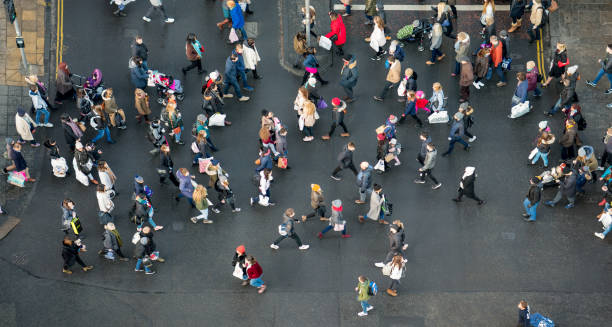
233,37
519,110
216,119
380,165
533,153
325,43
439,117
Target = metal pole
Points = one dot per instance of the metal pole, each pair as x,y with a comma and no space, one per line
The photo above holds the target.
307,6
24,61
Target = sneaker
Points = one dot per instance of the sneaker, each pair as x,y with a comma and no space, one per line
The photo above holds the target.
549,203
169,21
248,88
526,215
345,134
236,210
35,145
481,84
335,177
529,220
146,19
419,181
472,139
435,187
500,84
228,95
608,91
137,270
569,206
379,264
251,201
600,235
590,83
274,246
476,85
368,22
304,247
87,268
243,99
150,272
48,125
215,210
207,221
397,163
66,271
194,220
359,202
609,106
158,227
378,98
345,15
361,313
370,308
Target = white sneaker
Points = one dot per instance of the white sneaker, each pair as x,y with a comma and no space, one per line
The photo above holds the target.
236,210
169,20
476,85
600,235
397,163
481,84
472,139
435,187
244,98
194,220
361,313
370,308
146,19
274,246
304,247
48,125
228,95
207,221
379,264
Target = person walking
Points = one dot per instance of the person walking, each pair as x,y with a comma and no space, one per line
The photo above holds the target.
264,177
317,203
105,205
436,44
70,253
140,50
287,230
425,140
254,273
63,85
428,165
335,221
185,185
520,92
567,188
141,102
533,75
311,67
100,124
157,5
68,214
466,186
225,195
300,47
239,264
363,295
466,79
25,126
606,156
606,69
111,108
83,163
338,111
375,212
240,67
410,109
481,67
142,253
40,106
517,10
462,48
535,18
345,160
377,39
337,32
175,119
394,75
568,140
138,74
559,63
349,75
112,241
237,18
396,272
523,313
143,210
364,182
194,52
230,79
166,166
456,134
443,17
396,243
308,116
543,144
497,49
532,199
201,203
251,57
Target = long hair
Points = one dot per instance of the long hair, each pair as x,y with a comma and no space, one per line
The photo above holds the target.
486,3
199,194
397,261
441,9
437,29
201,137
379,22
63,67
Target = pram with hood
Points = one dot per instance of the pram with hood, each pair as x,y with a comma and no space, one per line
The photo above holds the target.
89,92
165,84
415,32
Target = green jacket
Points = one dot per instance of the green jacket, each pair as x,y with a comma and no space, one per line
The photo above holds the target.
370,8
363,291
201,205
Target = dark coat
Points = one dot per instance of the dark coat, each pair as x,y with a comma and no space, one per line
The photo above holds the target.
140,50
70,253
535,194
468,184
349,74
568,186
345,157
517,9
139,77
239,259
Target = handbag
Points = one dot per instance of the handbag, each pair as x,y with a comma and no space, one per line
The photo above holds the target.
282,163
233,37
203,164
533,153
82,126
301,123
75,223
217,119
176,130
238,273
339,227
519,110
380,165
325,43
389,157
321,104
386,269
194,147
16,178
439,117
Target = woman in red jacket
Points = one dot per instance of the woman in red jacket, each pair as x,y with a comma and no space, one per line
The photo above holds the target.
337,29
254,273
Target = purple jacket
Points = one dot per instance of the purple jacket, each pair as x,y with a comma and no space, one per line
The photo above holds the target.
532,79
185,184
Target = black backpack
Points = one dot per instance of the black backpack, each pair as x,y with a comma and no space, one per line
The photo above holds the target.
582,124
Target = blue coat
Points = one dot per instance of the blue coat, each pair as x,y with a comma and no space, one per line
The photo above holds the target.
521,90
457,130
237,17
311,61
364,179
139,77
266,162
230,70
410,108
399,53
240,62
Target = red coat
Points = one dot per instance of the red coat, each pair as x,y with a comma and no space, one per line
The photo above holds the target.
254,271
337,28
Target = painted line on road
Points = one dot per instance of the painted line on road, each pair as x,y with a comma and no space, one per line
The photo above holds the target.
424,7
540,54
59,46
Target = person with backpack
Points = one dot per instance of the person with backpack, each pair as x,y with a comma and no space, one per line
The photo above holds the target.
70,253
335,221
538,18
466,186
287,230
156,135
443,17
363,295
364,182
532,199
345,160
112,242
606,69
254,273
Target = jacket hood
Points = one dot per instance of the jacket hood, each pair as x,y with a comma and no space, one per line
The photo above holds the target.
352,62
337,205
105,96
469,171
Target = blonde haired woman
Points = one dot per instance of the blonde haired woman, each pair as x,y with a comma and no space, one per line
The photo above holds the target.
437,98
558,64
201,203
443,17
111,108
107,178
300,99
488,11
462,47
308,115
141,102
436,43
377,38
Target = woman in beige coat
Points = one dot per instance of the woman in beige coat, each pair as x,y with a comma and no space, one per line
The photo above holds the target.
307,113
24,126
141,102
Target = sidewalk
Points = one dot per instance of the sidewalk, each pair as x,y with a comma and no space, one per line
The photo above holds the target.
33,17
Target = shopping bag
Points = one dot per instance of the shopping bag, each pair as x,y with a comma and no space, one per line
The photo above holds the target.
439,117
389,157
301,123
82,178
506,63
282,162
16,178
242,5
203,164
194,147
386,269
238,273
380,165
533,153
233,37
519,110
321,104
325,43
59,167
216,119
339,227
401,88
75,223
264,200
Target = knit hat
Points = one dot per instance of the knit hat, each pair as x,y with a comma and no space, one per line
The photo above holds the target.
78,145
201,117
464,105
543,124
581,152
420,94
315,187
138,179
458,116
337,205
336,101
20,111
240,249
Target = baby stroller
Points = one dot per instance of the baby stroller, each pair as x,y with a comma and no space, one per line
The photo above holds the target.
92,85
415,32
165,84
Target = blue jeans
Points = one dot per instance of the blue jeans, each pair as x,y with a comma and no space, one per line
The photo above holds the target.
243,34
451,144
557,106
370,18
500,73
243,77
364,195
329,227
544,157
177,136
600,74
364,306
536,92
227,83
181,195
607,230
381,216
348,9
530,211
435,53
457,68
144,65
139,265
101,133
257,282
43,111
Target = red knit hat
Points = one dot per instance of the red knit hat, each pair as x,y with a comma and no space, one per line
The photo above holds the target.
336,101
240,249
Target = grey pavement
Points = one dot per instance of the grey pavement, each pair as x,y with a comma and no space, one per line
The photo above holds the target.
467,265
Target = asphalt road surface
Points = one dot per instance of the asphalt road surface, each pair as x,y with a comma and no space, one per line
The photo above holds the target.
468,265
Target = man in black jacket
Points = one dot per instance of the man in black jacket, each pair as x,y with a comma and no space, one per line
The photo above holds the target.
139,49
70,254
567,188
606,69
346,161
396,245
532,200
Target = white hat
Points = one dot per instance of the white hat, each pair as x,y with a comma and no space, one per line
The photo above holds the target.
214,75
543,124
78,145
